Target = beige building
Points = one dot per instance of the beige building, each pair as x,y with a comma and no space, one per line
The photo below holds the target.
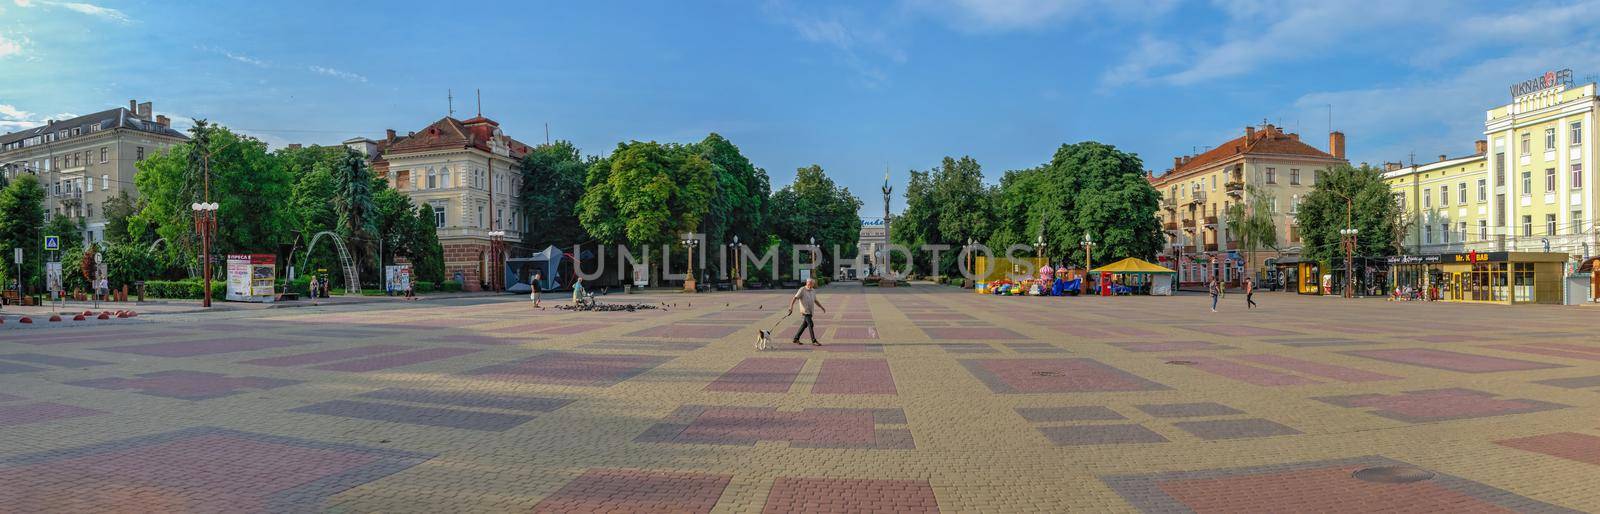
1199,189
87,160
468,173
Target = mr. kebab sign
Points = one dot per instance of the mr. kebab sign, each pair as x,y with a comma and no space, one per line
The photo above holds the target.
1548,80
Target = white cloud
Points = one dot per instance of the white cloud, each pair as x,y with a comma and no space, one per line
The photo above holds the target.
95,10
235,56
24,3
10,112
11,45
1151,53
337,73
1011,15
860,42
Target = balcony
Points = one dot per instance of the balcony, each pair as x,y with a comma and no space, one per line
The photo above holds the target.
1198,197
1235,188
1171,226
1211,221
1169,203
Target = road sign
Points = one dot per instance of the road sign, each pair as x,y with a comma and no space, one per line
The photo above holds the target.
18,256
52,243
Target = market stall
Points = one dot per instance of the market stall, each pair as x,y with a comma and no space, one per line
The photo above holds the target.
1134,276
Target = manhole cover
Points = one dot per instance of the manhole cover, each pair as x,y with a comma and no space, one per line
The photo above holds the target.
1181,363
1393,474
1047,373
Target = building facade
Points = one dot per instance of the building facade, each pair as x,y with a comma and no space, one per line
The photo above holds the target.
467,172
1198,190
1529,188
85,161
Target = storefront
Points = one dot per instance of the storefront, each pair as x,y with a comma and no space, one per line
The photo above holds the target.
1297,276
1488,277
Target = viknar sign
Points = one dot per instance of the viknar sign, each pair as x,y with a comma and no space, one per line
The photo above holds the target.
1548,80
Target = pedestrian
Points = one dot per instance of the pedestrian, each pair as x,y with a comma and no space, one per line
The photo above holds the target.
1216,290
577,291
311,289
807,297
1249,292
538,282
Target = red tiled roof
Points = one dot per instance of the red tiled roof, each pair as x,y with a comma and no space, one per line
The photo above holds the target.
1266,141
450,133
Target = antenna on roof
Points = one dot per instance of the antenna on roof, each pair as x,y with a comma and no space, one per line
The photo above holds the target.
546,133
450,97
480,103
1330,118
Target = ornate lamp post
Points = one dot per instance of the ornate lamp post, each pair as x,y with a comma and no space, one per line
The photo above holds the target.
1038,247
1347,237
738,280
690,242
1088,245
205,222
497,244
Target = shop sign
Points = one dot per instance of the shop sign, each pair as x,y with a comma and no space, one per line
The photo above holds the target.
1548,80
1476,257
1413,259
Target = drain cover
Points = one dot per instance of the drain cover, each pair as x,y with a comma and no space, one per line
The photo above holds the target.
1181,363
1047,373
1393,474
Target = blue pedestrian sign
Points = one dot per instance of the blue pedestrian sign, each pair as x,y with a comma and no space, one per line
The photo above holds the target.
52,243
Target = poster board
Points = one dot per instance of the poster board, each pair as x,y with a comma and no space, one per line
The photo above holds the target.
252,278
52,278
397,278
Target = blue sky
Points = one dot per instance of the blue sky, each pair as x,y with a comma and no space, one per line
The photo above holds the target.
853,86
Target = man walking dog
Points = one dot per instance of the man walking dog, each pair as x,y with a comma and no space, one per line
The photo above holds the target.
807,297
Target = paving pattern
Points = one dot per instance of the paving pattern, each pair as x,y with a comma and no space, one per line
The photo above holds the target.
923,399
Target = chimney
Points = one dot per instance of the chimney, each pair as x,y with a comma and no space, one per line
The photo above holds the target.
1391,166
1249,132
1441,157
388,135
294,146
1294,136
1336,144
133,105
1177,161
145,110
1482,145
163,120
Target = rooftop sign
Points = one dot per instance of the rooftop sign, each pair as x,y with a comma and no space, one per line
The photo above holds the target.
1548,80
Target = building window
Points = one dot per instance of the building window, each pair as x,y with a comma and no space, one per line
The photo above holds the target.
1483,190
1550,224
1576,137
438,215
1444,232
1549,180
1427,234
104,155
1399,199
1577,175
1294,177
1577,222
1483,230
105,182
1427,198
1500,210
480,216
1462,229
1550,138
1316,177
432,176
1527,144
1444,196
1527,225
1272,176
1499,169
138,154
91,185
1527,183
1461,193
444,177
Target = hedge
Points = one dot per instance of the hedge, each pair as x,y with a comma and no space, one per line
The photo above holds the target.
184,289
449,286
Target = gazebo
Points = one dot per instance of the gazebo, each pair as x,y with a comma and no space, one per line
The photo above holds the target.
1138,274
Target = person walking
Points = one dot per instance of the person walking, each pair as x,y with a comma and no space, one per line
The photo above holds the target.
1216,290
807,298
577,291
538,282
1249,292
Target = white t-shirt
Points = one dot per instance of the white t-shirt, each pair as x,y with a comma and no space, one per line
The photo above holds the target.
808,299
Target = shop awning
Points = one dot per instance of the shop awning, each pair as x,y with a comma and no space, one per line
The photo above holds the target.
1132,265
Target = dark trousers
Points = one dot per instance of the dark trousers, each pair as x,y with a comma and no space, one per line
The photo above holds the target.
1250,302
806,324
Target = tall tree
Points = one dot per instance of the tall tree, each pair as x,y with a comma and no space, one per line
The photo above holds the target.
1252,222
918,223
814,207
552,184
248,185
118,210
646,194
1348,197
353,201
740,203
1086,188
425,252
21,219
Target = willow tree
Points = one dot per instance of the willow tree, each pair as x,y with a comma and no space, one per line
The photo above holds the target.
1252,221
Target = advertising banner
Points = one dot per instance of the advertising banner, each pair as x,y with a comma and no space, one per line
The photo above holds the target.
397,278
252,277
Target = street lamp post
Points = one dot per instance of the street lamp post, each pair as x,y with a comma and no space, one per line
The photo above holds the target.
1088,245
971,263
1347,237
1038,247
205,222
690,242
738,280
497,243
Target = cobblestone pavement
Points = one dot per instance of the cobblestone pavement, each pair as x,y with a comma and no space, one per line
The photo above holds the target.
923,399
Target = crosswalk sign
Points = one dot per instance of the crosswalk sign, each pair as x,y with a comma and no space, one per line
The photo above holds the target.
52,243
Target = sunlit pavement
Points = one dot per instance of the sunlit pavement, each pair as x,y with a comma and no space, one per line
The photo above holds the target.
923,399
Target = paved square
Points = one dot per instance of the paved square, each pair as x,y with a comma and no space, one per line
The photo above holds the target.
923,399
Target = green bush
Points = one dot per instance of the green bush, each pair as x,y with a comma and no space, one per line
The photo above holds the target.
450,286
422,286
190,289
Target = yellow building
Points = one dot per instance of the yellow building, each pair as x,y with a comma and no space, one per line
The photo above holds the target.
1199,189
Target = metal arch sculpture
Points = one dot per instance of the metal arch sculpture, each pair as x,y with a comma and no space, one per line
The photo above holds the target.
192,267
351,281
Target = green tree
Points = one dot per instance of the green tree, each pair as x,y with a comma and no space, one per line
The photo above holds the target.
740,204
393,220
354,208
21,221
426,254
552,185
814,207
1251,221
646,194
918,223
69,229
1086,188
1348,197
248,184
118,210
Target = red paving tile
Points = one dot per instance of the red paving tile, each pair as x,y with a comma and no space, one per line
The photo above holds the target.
1246,374
971,333
844,495
759,375
204,347
1300,490
1545,349
302,359
1023,376
854,376
40,412
855,333
1448,360
1439,405
396,360
1567,445
1332,371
